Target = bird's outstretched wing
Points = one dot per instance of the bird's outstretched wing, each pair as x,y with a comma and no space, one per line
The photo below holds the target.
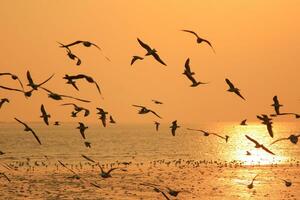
270,130
111,169
191,32
21,122
138,106
72,44
187,65
29,78
48,79
229,83
145,46
267,150
156,56
134,58
208,42
279,140
98,88
88,158
155,114
239,94
252,140
13,89
36,137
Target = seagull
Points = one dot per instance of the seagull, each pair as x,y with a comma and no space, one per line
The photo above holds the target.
105,174
156,125
73,56
81,76
58,97
111,120
102,114
87,144
14,77
44,115
194,82
188,68
156,101
32,84
56,123
27,94
82,128
145,110
173,127
151,52
232,88
199,39
250,186
5,176
210,133
27,128
243,123
3,100
293,138
276,105
78,109
85,43
257,145
268,122
135,58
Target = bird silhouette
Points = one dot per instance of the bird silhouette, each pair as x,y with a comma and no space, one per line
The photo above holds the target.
173,127
189,74
111,120
276,105
87,144
102,117
232,88
156,101
244,122
2,101
45,115
257,145
151,52
145,110
250,186
156,125
199,39
28,129
293,139
135,58
82,129
268,122
14,77
206,133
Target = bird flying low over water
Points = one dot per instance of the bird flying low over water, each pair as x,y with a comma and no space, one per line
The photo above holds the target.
14,77
293,139
199,39
156,125
105,174
102,117
268,122
189,74
82,128
44,115
28,129
151,52
58,97
173,127
145,110
276,105
257,145
2,101
244,122
77,109
32,84
210,133
232,88
135,58
250,186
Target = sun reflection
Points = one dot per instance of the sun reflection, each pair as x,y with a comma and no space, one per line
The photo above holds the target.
240,144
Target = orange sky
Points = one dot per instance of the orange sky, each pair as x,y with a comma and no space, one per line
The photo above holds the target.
257,45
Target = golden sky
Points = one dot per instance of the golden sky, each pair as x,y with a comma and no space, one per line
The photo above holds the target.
257,45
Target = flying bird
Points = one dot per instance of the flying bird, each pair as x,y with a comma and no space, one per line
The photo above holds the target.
102,117
232,88
105,174
45,115
145,110
173,127
268,122
135,58
56,123
111,120
58,97
28,129
276,105
87,144
199,39
82,128
156,101
5,176
244,122
151,52
206,133
77,109
2,101
32,84
293,139
85,43
257,145
156,125
14,77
